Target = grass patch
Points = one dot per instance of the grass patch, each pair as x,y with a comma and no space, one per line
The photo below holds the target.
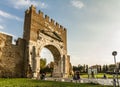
23,82
99,75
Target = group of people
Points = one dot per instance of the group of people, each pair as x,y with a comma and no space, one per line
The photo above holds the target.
76,76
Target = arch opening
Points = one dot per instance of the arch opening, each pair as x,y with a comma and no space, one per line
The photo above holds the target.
52,54
46,53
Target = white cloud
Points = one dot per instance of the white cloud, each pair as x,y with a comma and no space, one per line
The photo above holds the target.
77,4
1,27
9,16
19,4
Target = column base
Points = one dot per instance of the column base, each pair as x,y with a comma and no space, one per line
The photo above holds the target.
60,75
65,75
57,75
34,75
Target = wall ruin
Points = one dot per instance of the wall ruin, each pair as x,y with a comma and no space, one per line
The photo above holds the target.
11,57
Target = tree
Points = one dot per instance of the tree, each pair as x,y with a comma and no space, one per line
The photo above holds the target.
104,68
86,68
42,63
112,67
80,68
75,68
51,64
51,67
100,69
119,66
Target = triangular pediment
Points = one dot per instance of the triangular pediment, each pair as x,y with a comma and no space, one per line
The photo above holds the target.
51,34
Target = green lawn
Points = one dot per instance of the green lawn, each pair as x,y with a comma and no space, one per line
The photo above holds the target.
99,75
23,82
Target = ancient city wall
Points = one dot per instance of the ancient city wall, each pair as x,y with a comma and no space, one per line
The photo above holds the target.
11,57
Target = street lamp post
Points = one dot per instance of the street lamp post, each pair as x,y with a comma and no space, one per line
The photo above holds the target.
114,53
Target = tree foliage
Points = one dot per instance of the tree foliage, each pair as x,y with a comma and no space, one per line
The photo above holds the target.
42,63
51,64
81,68
46,68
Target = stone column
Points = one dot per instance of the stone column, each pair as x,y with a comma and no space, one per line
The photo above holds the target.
62,65
57,68
65,66
37,69
68,65
37,63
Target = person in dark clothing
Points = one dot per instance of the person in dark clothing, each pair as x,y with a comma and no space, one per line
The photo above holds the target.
42,76
104,76
92,73
78,75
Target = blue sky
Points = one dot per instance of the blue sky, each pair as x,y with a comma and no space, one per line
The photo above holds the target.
93,26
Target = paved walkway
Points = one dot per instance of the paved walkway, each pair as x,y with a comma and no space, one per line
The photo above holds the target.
84,80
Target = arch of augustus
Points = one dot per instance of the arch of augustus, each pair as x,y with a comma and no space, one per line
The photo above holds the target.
41,31
23,58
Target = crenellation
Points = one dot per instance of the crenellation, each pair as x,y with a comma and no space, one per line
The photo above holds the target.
52,22
47,18
40,13
61,27
32,7
65,29
57,25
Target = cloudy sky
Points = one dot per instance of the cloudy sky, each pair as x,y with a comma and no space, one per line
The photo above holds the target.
93,26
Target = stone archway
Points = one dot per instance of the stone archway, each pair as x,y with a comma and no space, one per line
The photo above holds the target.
57,71
39,32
